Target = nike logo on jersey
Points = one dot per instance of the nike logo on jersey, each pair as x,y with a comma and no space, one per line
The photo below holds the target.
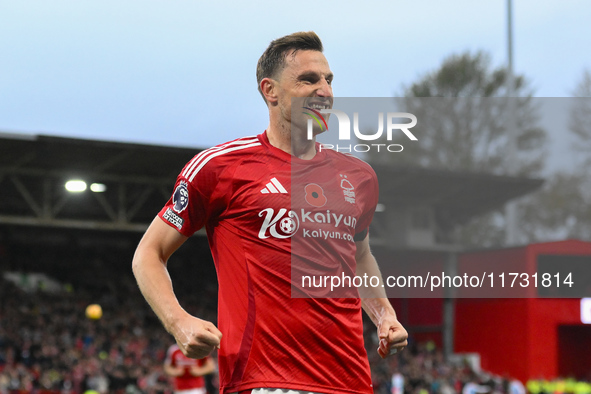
273,187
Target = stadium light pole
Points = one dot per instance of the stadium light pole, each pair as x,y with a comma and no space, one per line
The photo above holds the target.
511,207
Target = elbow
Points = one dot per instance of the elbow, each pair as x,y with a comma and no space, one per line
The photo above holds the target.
136,262
144,258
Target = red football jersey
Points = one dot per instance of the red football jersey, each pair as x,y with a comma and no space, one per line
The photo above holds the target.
274,224
176,358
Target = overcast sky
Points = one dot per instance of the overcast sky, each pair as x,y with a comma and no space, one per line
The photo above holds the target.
182,72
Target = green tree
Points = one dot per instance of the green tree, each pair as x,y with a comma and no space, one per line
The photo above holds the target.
463,113
562,208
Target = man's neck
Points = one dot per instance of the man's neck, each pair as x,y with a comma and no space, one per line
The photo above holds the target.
294,143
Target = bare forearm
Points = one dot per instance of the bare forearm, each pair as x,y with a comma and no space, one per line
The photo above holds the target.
377,308
195,337
373,299
392,335
155,284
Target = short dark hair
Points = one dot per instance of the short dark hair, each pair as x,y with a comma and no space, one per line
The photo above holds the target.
273,59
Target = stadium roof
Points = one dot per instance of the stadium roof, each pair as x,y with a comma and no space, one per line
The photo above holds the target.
34,170
460,195
139,179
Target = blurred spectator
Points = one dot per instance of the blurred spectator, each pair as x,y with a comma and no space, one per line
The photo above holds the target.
48,346
187,373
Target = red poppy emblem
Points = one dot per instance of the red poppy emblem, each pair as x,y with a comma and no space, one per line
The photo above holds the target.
315,195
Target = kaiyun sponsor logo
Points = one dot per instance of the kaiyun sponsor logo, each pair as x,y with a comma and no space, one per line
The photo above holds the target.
285,223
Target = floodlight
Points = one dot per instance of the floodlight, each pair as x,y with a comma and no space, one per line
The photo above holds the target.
98,187
75,186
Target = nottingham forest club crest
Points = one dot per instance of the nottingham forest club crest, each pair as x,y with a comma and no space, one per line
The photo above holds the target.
348,189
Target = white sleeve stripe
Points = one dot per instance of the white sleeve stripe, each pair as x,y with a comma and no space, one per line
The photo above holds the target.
221,152
196,159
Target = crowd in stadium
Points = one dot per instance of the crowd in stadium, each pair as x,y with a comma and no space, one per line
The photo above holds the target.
47,345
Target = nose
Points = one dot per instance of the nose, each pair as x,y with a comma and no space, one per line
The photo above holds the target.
324,90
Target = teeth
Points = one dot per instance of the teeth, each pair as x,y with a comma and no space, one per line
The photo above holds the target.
318,106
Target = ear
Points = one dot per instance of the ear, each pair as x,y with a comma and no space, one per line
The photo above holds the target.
269,89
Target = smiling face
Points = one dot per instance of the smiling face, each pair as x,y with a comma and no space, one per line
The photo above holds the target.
306,74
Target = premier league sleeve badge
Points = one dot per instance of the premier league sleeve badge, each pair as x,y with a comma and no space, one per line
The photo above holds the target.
180,198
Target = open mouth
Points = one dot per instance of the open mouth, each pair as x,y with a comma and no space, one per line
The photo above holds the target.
320,105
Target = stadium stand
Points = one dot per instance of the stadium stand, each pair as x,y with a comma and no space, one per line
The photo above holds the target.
47,345
85,244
